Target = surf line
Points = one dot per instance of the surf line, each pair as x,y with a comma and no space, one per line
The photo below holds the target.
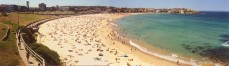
226,44
170,58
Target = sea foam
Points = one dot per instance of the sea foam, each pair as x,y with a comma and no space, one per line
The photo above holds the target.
173,57
226,44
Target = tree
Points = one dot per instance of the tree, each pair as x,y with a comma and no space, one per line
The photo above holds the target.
4,14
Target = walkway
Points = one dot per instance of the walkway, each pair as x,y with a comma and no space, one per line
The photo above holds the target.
32,61
5,36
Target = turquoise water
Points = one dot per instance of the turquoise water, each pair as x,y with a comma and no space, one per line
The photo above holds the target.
171,31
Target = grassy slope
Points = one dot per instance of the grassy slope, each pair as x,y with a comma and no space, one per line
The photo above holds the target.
2,32
24,18
8,49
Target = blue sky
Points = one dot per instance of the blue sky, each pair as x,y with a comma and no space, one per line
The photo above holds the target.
203,5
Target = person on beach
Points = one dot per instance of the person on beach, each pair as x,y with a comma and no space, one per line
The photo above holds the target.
178,62
19,44
27,56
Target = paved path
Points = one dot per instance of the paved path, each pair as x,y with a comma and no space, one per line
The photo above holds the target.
6,31
32,61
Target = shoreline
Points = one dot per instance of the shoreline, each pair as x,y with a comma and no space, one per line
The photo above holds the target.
148,50
133,46
158,52
101,33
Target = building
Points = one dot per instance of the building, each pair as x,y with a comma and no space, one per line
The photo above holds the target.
64,8
57,7
23,8
8,8
42,6
27,3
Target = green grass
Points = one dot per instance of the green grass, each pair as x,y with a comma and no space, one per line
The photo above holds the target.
8,49
2,32
9,55
51,57
24,19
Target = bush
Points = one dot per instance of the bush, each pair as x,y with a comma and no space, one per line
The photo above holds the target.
3,28
4,14
28,35
51,57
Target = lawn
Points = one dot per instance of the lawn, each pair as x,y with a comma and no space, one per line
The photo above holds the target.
8,49
23,18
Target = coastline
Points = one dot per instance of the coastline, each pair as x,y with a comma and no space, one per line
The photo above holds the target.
104,33
163,53
153,51
141,49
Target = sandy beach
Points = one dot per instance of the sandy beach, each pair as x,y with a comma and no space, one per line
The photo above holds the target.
91,40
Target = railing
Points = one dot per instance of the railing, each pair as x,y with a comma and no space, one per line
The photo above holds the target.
34,54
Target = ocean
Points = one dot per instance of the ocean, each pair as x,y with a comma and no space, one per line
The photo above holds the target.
178,34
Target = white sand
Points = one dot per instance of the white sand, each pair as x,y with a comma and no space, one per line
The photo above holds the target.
79,40
76,40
